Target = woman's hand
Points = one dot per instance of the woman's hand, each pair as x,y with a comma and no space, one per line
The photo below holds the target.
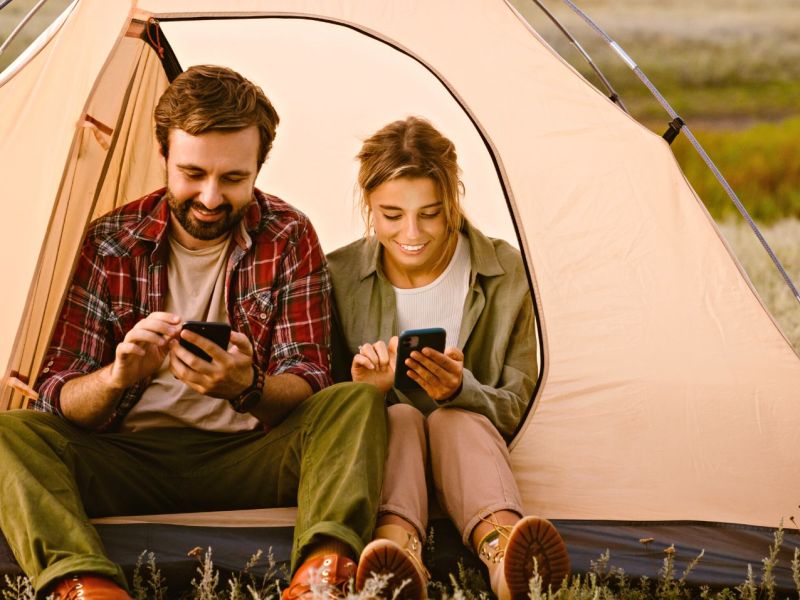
374,364
439,374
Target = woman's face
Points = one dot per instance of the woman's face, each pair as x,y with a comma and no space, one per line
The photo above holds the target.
409,223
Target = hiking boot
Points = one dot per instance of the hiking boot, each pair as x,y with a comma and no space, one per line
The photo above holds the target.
510,552
328,574
408,577
87,587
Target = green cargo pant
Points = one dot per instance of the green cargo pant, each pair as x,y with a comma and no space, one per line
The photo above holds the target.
326,458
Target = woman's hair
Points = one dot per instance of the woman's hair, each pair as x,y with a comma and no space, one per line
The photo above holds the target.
211,98
412,148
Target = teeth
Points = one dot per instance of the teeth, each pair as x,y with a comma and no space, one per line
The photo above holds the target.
412,248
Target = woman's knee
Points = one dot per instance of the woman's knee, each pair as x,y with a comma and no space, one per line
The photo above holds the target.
405,415
456,418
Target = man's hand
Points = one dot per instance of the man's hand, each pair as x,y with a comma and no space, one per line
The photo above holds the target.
375,363
440,375
141,353
229,373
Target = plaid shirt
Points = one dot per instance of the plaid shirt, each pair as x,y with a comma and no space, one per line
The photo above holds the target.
277,292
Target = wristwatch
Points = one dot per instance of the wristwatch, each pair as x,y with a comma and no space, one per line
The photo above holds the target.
251,396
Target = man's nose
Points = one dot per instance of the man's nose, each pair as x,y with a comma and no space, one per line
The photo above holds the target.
210,194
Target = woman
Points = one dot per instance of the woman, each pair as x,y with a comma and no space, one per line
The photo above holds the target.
427,266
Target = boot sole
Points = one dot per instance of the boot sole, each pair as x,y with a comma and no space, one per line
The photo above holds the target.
384,557
533,537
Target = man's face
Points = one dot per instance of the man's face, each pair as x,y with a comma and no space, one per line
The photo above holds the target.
210,180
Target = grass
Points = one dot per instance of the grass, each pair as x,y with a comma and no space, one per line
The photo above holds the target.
760,162
731,69
13,14
602,582
784,238
712,59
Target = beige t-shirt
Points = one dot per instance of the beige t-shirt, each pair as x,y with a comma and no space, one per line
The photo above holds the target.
196,284
441,302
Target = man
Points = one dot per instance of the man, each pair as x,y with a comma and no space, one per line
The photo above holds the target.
130,421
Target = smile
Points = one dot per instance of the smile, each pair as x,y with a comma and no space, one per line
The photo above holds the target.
411,248
204,214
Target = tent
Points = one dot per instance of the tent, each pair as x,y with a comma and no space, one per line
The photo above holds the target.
665,407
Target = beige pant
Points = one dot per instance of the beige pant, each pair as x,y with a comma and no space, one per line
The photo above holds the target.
469,465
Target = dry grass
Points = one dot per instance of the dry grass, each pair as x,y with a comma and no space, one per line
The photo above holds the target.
603,581
13,14
784,238
712,59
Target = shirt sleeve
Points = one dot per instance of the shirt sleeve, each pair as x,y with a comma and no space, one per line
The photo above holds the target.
302,329
84,338
505,403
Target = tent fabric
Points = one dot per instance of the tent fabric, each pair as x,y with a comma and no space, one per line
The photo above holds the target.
667,392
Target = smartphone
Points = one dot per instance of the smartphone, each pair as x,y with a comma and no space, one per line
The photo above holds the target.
219,333
410,340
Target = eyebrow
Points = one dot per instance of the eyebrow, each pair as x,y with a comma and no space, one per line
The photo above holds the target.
390,207
190,167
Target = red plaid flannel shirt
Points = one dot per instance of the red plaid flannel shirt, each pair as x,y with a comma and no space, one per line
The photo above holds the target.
277,292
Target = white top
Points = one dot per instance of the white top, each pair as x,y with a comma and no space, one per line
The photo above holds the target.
196,292
441,302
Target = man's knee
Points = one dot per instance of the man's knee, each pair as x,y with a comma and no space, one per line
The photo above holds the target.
351,401
21,421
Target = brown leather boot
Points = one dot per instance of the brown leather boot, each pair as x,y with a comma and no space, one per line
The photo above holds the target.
328,574
87,587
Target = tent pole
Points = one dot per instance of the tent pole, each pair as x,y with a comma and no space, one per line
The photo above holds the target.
22,24
690,136
611,92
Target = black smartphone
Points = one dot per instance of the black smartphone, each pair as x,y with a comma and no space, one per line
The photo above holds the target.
410,340
219,333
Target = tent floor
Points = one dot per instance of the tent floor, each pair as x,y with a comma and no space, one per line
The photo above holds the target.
728,550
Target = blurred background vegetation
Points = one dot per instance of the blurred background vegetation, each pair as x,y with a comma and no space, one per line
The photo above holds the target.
731,70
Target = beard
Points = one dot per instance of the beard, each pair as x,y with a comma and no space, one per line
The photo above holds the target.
181,210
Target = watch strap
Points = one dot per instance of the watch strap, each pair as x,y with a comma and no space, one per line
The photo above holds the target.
252,394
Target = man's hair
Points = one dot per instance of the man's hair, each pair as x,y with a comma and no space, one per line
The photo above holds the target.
412,148
211,98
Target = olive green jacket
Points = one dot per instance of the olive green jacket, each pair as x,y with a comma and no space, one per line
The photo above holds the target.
497,336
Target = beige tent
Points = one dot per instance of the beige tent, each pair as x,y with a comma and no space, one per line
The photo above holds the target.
667,393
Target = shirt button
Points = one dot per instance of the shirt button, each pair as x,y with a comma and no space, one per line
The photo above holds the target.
50,364
46,370
262,316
